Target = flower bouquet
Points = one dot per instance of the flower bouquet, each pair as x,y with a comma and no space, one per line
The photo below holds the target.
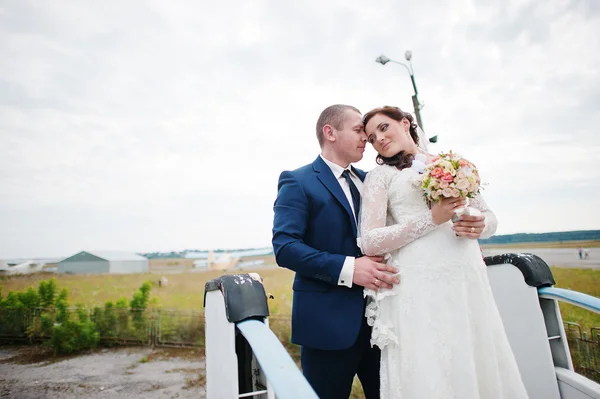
450,175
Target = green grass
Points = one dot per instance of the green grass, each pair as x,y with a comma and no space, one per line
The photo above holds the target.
582,280
185,291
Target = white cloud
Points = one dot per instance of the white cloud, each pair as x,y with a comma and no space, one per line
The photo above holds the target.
153,126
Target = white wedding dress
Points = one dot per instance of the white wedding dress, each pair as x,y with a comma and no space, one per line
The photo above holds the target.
439,330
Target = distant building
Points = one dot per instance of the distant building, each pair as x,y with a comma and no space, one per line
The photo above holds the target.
238,253
14,266
222,260
113,262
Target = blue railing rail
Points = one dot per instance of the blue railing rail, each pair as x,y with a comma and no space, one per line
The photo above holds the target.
287,380
579,299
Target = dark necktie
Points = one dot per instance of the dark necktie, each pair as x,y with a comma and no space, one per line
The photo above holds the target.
354,192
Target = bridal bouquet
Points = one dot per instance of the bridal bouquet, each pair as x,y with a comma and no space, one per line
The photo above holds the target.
450,175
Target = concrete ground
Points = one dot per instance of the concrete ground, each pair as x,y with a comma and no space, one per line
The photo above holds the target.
29,372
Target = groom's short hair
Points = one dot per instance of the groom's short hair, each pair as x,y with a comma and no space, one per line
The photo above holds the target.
334,116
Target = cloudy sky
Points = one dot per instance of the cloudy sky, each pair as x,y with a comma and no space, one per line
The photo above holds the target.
157,126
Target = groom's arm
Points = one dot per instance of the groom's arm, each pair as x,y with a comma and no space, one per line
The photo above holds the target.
292,214
484,226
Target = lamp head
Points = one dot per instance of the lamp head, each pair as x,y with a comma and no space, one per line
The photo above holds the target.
382,59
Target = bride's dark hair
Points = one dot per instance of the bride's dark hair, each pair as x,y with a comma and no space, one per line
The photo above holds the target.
402,159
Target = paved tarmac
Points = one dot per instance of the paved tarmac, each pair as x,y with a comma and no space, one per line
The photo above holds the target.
561,257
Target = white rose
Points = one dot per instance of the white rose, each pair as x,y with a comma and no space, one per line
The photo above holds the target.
462,184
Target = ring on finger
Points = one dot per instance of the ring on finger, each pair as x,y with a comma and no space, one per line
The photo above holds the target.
377,282
472,229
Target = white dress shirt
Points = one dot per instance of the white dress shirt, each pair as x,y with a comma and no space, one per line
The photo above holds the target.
347,272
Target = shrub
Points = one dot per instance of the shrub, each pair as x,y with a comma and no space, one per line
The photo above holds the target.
75,335
47,293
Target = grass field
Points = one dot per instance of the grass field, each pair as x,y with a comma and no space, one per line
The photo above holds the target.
582,280
185,291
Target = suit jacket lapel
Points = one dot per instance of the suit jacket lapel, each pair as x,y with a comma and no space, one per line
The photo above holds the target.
361,174
325,175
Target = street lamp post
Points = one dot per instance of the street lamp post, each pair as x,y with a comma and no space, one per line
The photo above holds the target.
382,59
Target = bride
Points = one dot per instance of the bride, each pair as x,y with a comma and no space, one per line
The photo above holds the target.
439,330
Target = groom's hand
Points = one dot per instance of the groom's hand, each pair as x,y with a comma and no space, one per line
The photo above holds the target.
370,272
470,226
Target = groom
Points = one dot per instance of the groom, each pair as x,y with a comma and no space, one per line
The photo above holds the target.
314,234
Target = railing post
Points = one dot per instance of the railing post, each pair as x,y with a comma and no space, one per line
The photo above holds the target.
243,356
221,360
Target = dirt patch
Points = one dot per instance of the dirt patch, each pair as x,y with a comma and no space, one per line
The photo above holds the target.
180,353
32,354
32,372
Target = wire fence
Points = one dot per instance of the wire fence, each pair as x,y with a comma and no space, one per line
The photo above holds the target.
151,327
155,327
177,328
585,350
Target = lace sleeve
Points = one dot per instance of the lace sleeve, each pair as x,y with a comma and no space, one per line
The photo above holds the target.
491,222
376,237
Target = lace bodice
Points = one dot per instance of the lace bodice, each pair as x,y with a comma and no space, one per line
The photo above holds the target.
394,213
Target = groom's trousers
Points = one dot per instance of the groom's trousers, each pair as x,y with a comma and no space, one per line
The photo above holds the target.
331,372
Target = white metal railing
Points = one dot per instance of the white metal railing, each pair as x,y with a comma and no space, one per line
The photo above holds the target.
571,384
244,358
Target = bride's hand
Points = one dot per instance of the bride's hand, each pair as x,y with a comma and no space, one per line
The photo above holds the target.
443,210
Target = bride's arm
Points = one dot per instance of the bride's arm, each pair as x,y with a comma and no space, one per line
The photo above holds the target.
491,222
377,238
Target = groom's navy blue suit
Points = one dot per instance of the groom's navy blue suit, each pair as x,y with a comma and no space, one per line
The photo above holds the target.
314,230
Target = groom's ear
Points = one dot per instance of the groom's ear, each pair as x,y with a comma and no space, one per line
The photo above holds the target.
329,133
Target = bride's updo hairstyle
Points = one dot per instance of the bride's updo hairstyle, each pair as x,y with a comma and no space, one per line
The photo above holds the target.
402,159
